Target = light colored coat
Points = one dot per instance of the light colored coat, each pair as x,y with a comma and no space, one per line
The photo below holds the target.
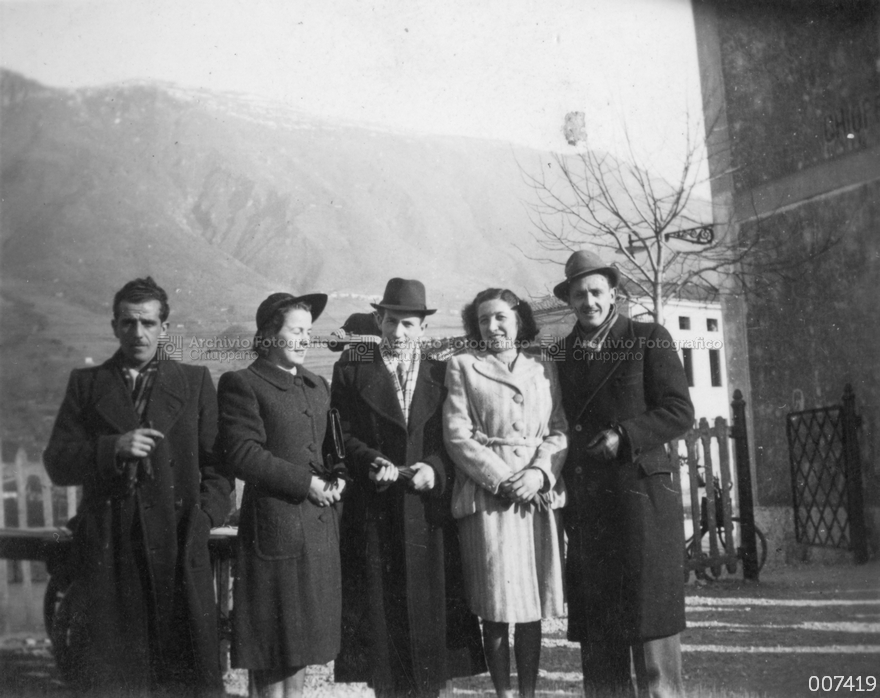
497,422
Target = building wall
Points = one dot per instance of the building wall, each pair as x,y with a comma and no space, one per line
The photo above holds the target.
802,84
792,91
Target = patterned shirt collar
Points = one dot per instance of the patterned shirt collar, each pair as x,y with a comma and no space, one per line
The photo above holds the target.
411,371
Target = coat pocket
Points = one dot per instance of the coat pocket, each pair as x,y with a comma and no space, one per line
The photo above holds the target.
279,530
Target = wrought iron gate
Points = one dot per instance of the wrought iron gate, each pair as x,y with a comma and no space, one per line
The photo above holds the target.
826,477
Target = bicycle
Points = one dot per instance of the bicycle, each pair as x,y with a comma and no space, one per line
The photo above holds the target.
691,548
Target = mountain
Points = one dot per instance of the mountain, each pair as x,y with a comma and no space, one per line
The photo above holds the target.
223,199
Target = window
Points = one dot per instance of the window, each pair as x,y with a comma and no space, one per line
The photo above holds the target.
711,324
687,357
715,367
684,323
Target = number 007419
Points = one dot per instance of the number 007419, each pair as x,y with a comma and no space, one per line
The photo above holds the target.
842,683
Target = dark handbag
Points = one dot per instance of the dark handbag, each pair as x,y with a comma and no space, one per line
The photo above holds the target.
333,466
334,426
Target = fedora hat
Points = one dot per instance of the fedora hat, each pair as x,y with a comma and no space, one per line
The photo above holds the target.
582,263
406,295
316,301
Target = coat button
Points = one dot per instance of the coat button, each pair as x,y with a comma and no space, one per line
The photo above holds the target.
519,451
178,503
518,399
578,427
307,412
517,426
578,470
312,447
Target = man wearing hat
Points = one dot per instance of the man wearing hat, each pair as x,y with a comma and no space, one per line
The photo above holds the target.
625,395
137,433
406,628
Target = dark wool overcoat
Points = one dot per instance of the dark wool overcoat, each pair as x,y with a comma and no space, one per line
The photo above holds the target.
287,593
165,523
406,624
624,518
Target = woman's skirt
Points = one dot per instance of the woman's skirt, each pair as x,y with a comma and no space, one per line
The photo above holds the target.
512,559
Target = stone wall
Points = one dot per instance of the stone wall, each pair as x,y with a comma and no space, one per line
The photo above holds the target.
802,84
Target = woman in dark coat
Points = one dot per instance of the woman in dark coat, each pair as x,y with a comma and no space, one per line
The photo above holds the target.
273,420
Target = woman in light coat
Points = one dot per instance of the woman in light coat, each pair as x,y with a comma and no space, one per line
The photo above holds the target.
505,430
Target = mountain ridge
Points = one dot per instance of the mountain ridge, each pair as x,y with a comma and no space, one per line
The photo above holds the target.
103,184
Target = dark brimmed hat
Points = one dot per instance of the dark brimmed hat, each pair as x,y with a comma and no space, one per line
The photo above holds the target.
316,301
406,295
582,263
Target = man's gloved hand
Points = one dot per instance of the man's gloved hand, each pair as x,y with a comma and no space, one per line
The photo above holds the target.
605,445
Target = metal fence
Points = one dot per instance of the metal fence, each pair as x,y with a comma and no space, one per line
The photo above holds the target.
826,476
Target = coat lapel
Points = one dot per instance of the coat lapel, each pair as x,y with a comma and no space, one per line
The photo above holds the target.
168,397
427,396
112,400
283,380
489,367
378,391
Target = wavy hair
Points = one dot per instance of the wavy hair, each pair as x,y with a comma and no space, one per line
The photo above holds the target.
142,291
526,327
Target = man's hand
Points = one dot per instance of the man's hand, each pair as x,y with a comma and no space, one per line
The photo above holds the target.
604,445
522,487
323,493
138,443
383,470
423,480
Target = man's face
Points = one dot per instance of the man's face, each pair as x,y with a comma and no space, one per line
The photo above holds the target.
137,327
289,346
401,331
591,298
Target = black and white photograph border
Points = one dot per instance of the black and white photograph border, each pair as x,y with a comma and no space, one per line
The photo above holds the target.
723,157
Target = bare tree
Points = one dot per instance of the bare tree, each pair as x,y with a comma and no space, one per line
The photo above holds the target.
664,239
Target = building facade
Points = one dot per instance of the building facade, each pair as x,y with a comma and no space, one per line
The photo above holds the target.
792,94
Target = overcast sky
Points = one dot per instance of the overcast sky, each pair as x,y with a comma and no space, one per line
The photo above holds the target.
507,70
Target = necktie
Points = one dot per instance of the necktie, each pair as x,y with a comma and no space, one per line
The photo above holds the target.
137,384
401,374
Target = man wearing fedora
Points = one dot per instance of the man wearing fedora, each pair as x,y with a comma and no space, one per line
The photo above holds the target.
406,628
625,395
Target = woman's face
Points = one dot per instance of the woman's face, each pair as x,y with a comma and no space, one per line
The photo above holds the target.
288,347
498,325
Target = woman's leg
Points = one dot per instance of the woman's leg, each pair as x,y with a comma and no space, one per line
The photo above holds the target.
497,649
527,649
277,683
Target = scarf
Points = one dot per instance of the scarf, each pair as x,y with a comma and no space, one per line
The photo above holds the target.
140,386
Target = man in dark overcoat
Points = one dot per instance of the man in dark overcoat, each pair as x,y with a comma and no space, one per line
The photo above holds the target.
406,628
625,394
137,434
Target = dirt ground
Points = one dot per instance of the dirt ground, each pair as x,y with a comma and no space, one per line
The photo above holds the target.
744,640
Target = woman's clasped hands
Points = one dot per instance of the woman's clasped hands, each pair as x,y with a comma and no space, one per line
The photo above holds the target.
325,493
523,486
